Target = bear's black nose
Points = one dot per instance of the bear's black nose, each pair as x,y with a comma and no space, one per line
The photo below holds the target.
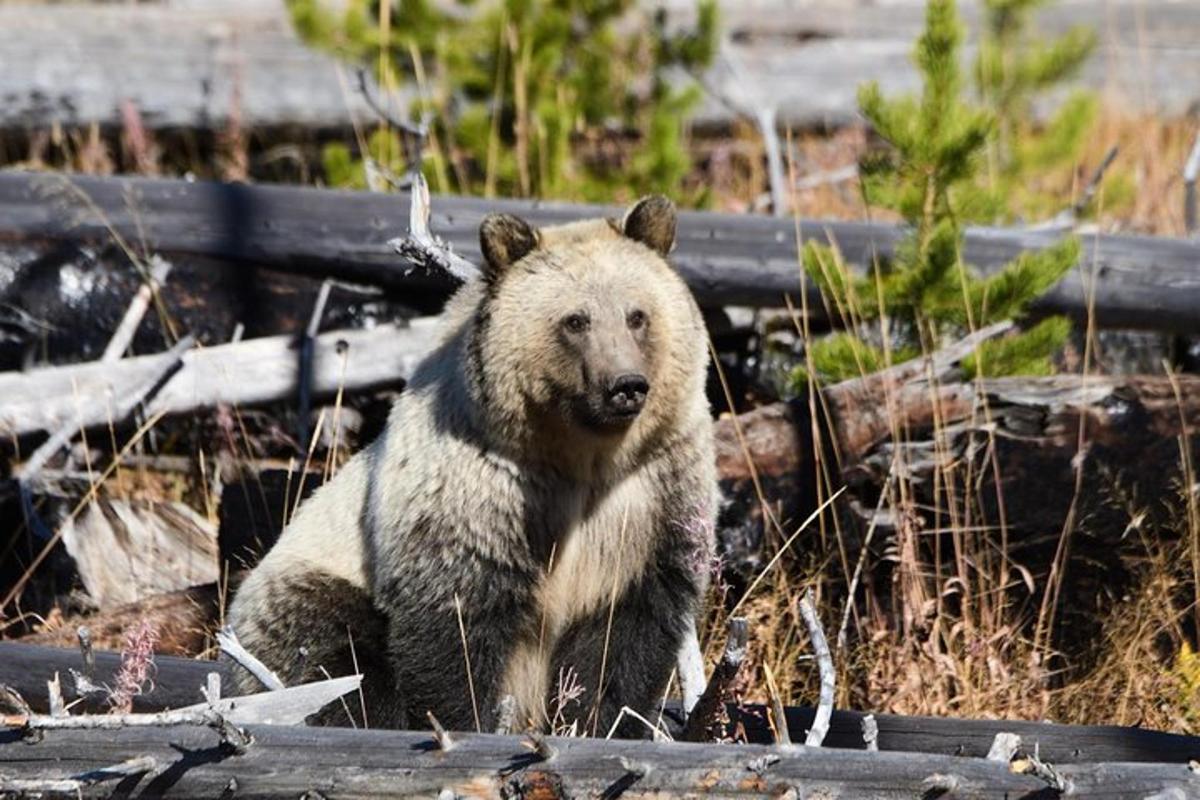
627,394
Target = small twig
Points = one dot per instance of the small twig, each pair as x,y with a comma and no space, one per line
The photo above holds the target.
420,130
1089,191
126,329
1191,169
420,247
85,650
442,736
706,716
111,722
656,733
228,642
820,726
782,735
870,733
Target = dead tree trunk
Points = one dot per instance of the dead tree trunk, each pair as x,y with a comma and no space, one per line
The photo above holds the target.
293,762
177,684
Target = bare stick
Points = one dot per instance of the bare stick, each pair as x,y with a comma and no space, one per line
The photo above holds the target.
820,726
420,247
420,130
123,336
110,722
870,733
706,716
440,735
690,665
230,646
85,649
782,735
1090,190
57,707
1191,217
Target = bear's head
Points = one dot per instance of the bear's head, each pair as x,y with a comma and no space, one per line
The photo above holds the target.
584,329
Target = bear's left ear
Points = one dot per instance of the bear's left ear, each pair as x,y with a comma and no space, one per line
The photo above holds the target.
505,240
652,222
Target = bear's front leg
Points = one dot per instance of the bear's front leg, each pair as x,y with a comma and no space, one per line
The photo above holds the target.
433,637
625,658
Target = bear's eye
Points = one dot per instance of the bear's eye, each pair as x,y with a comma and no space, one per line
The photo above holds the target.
577,323
637,319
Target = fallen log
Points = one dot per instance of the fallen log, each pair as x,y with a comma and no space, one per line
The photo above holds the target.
1135,282
177,684
249,64
243,373
293,762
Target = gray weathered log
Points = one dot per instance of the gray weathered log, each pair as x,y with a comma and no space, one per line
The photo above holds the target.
177,682
198,64
1140,282
292,762
247,372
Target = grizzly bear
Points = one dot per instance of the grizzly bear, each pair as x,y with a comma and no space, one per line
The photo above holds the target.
536,519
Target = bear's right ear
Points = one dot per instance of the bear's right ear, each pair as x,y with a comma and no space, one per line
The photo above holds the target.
652,222
504,239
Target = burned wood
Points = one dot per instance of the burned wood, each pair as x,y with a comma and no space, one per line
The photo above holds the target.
26,667
727,260
706,719
289,762
868,409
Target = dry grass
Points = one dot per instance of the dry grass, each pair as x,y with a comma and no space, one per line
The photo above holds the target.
949,622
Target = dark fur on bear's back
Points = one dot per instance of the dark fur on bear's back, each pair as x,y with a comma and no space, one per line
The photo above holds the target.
519,512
